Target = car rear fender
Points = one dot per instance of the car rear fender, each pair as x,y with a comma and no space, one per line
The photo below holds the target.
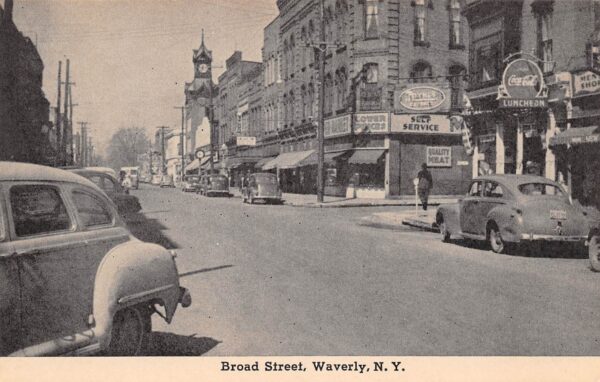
132,273
507,220
450,214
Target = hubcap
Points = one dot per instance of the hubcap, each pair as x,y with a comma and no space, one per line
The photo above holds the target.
497,243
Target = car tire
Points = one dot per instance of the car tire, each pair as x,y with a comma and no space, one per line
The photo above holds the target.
251,200
129,333
495,239
594,253
444,230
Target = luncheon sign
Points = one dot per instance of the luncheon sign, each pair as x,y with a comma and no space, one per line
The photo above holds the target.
522,86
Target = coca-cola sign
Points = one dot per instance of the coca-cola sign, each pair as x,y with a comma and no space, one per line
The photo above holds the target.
522,85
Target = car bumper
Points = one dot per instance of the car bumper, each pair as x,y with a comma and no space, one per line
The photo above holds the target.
558,238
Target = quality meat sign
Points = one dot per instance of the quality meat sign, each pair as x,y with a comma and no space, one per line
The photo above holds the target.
522,86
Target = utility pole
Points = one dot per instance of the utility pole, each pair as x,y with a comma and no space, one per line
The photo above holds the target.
211,113
66,130
321,128
182,140
83,144
58,158
162,138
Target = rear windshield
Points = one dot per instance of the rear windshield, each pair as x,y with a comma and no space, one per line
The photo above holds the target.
266,178
536,189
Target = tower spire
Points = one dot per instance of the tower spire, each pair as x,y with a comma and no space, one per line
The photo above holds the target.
202,37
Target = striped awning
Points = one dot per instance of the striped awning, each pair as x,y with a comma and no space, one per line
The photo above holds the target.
366,156
287,160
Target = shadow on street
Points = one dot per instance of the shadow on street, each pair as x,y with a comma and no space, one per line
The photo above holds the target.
539,250
149,230
162,344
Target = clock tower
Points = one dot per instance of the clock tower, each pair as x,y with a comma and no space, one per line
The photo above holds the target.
198,94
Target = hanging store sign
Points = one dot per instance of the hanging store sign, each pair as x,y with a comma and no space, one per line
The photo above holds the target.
487,138
370,97
439,156
421,98
245,141
338,126
586,83
431,124
365,123
522,86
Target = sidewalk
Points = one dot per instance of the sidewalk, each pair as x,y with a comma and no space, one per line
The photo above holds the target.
310,201
393,220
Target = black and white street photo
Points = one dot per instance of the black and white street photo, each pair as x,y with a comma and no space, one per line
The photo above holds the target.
238,178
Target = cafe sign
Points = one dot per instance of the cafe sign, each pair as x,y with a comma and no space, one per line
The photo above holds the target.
421,99
522,86
429,124
586,83
365,123
439,156
338,126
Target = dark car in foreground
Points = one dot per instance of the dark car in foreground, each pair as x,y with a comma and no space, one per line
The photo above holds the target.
512,209
73,280
262,186
126,204
214,185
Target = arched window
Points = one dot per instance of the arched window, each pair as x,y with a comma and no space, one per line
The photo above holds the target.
292,53
303,47
421,72
341,88
456,78
371,17
286,49
310,100
454,13
304,99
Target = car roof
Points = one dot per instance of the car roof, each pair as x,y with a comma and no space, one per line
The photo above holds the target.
89,171
17,171
515,180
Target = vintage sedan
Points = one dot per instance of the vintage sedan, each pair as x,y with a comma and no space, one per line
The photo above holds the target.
513,209
126,204
191,183
213,185
262,186
73,280
167,181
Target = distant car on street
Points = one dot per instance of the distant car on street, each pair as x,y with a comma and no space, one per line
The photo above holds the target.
512,209
126,204
191,183
167,181
73,280
261,186
214,184
156,178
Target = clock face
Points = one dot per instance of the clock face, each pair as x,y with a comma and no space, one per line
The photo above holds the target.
203,68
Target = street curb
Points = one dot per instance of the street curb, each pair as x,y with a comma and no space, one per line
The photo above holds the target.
420,224
351,205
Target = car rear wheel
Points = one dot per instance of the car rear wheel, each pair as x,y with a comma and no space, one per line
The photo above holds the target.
594,253
129,333
495,239
443,230
251,200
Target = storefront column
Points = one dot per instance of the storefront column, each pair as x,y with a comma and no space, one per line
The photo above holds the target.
475,167
392,166
550,169
499,148
519,149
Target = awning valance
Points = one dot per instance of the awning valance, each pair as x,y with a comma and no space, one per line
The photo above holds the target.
313,159
236,162
576,135
287,160
366,156
259,165
195,164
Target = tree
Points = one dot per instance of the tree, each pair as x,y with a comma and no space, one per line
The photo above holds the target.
125,147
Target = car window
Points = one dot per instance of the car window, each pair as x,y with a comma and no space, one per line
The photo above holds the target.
91,210
108,185
97,180
492,190
540,189
38,209
475,189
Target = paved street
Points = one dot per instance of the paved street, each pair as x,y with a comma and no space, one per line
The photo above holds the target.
281,280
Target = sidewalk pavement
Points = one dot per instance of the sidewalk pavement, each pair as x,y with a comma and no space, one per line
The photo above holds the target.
424,220
310,200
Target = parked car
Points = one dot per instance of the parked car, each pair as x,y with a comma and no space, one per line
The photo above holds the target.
191,183
166,181
214,184
513,209
132,176
262,186
126,204
156,178
73,280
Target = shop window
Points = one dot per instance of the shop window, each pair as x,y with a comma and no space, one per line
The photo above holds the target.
420,22
371,19
371,73
456,75
421,72
455,25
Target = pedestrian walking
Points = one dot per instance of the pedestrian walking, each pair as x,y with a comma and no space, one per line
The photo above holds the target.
424,186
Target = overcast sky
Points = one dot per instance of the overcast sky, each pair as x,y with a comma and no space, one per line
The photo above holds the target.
130,58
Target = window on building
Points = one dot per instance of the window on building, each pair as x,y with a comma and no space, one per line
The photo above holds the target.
303,48
292,53
292,114
421,72
371,73
455,24
487,63
341,89
304,99
310,100
456,77
328,94
543,16
420,20
371,19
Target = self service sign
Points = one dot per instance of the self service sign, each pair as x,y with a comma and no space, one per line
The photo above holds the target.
439,156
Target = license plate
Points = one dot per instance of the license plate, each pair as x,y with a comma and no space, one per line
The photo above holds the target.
558,215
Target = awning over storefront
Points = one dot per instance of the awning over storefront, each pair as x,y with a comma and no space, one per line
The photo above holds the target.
366,156
236,162
576,135
195,164
288,160
259,165
313,159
